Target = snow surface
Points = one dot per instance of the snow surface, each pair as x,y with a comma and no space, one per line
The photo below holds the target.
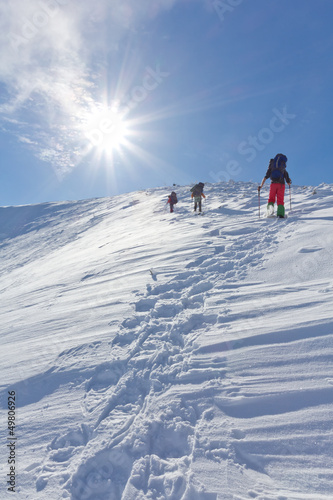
169,356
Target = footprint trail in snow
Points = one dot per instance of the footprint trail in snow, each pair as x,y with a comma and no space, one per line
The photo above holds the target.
151,400
187,357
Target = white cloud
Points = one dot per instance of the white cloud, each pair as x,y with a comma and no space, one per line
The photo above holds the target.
48,48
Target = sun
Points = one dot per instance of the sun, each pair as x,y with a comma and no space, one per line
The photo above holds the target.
118,140
106,130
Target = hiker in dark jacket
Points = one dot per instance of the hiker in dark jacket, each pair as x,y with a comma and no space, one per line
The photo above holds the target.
197,193
278,174
172,200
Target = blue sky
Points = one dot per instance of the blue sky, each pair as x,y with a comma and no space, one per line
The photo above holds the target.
101,98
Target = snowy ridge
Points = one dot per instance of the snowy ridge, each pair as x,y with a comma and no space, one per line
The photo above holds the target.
170,356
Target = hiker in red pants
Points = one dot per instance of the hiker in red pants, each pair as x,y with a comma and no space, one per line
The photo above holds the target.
278,174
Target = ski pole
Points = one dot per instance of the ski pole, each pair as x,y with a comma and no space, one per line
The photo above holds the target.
290,197
259,200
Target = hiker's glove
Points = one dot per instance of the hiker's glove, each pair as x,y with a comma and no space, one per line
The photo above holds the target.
259,187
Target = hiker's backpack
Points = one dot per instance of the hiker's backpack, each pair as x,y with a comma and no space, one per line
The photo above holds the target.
197,189
173,198
278,167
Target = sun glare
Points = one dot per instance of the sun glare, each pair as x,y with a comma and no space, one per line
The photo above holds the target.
119,142
106,130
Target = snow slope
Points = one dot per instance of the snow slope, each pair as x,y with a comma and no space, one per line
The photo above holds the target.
169,356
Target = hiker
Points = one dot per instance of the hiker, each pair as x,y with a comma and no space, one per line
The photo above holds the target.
197,193
172,200
278,174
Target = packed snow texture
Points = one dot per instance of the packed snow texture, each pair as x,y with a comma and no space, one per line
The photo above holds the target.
169,356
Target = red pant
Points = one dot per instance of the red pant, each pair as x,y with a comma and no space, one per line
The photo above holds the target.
276,191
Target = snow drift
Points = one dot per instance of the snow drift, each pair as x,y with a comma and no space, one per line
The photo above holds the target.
169,356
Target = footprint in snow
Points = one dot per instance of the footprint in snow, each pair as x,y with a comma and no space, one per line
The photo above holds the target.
165,310
106,375
145,305
309,249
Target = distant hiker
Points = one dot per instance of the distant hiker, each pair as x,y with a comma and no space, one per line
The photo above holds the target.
172,200
278,174
197,193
